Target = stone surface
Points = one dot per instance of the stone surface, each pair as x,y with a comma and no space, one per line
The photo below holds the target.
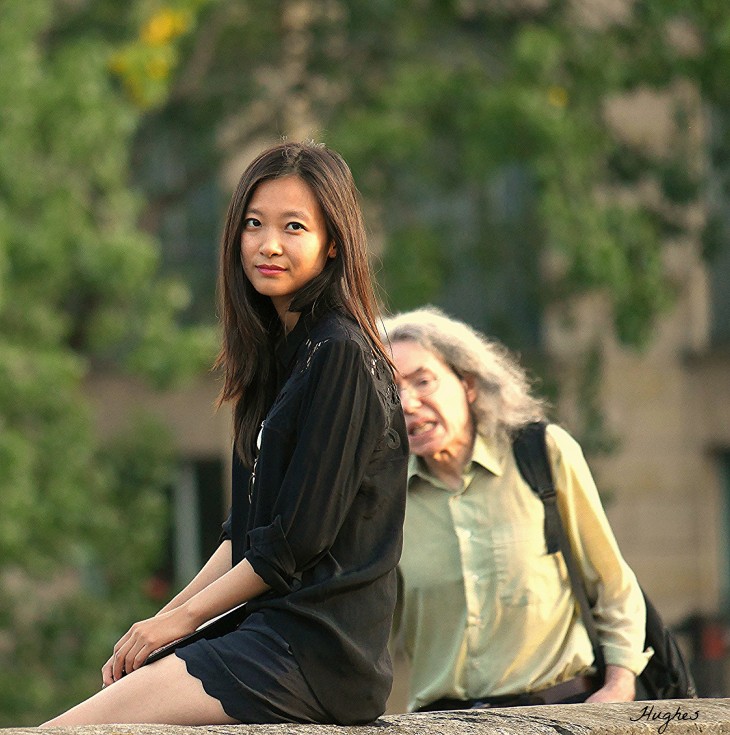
670,717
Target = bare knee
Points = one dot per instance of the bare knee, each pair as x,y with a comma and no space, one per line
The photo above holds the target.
162,693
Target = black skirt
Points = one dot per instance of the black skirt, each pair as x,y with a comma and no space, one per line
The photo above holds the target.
252,672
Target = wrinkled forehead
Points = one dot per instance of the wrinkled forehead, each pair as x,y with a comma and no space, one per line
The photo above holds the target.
410,357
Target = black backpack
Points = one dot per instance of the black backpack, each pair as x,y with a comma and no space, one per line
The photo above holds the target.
667,675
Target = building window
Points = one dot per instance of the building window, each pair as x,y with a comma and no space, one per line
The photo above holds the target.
198,506
720,297
724,464
716,237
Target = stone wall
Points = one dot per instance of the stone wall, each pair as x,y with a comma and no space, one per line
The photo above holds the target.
671,717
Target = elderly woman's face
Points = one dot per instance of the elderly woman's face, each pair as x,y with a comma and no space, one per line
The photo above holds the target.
435,401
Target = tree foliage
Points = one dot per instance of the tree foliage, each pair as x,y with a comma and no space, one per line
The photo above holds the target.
500,90
80,288
478,132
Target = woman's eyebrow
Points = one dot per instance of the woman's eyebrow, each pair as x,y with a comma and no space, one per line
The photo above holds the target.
295,214
292,213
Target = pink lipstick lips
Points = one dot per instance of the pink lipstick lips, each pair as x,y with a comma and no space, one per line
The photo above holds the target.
269,269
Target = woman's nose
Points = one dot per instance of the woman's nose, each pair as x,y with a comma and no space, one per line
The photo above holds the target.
269,244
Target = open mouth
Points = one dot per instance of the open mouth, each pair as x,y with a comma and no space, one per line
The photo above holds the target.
419,429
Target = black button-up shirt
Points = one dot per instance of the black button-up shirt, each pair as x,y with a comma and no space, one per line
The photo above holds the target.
321,521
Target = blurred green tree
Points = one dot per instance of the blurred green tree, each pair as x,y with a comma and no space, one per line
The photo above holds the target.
80,289
480,132
488,129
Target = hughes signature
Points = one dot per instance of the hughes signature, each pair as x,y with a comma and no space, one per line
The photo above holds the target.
651,713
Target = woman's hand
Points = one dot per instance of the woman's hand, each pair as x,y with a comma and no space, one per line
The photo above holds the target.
198,602
619,686
142,639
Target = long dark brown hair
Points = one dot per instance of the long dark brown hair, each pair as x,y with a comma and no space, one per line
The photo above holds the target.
250,322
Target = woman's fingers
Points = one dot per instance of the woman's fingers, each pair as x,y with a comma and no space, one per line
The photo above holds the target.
136,656
119,668
107,676
132,649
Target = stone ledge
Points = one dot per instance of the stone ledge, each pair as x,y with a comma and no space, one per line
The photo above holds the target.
669,717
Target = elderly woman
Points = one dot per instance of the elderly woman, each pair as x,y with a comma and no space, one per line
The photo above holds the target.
486,616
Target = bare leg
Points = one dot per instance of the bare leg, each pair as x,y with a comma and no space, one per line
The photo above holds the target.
161,693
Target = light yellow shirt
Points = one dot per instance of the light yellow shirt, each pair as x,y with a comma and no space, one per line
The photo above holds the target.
483,609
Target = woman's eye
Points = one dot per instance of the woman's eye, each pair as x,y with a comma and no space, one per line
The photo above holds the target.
295,226
251,222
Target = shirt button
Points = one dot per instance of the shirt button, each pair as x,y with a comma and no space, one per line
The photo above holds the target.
465,533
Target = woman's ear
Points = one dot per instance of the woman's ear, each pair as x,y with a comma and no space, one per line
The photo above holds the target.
332,252
470,388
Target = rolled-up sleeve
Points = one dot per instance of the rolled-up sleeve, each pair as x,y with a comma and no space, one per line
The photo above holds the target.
271,556
226,532
314,455
619,609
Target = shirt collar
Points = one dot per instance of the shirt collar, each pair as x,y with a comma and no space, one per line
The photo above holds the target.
490,458
288,344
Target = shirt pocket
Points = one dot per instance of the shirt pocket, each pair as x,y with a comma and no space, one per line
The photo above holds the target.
525,574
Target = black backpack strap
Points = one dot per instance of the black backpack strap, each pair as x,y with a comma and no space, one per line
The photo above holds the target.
532,461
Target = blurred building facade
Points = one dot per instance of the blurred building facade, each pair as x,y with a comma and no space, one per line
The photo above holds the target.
667,480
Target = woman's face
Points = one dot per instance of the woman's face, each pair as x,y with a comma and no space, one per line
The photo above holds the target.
435,401
284,243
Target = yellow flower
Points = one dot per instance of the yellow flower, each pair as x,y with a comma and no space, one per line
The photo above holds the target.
158,67
136,92
558,96
119,63
164,26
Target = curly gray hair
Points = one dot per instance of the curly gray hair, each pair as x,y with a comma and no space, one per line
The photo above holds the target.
504,400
